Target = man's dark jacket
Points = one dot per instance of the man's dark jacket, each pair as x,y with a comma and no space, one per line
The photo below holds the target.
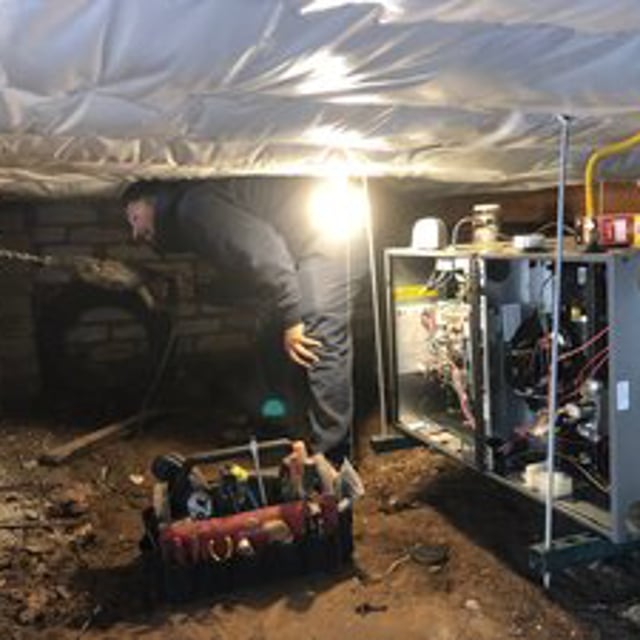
251,230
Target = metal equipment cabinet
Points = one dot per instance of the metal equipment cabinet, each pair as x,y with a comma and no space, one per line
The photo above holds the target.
467,364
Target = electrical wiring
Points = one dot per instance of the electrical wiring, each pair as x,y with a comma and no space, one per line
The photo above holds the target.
584,345
442,279
544,284
552,225
596,362
543,342
458,383
538,360
575,390
439,277
456,229
457,380
525,431
528,359
444,344
591,478
601,362
432,279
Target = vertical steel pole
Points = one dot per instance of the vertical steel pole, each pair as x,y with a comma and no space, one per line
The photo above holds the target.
375,307
553,387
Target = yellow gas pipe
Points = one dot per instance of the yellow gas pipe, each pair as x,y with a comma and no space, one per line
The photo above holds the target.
589,226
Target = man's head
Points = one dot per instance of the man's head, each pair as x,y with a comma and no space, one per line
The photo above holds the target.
139,202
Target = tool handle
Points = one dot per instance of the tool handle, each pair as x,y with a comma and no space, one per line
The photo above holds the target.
282,445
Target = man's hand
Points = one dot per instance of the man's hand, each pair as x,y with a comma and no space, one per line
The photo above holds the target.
300,347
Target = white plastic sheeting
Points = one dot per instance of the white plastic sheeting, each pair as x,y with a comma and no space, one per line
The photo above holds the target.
463,94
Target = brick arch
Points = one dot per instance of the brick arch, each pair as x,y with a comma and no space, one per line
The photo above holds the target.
98,348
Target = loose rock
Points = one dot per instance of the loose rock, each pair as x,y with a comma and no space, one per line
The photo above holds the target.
472,604
632,614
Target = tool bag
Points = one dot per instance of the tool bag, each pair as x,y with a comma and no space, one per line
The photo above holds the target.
192,548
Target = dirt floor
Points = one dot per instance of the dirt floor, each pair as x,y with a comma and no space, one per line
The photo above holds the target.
440,554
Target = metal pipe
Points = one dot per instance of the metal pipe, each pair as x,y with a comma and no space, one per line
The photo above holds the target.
553,387
280,447
589,230
255,456
377,326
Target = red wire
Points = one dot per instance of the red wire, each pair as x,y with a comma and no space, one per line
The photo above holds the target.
600,363
596,361
545,342
584,345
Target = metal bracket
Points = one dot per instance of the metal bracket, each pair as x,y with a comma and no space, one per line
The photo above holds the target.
385,443
571,550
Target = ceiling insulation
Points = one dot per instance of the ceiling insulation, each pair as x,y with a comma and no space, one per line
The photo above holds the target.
461,94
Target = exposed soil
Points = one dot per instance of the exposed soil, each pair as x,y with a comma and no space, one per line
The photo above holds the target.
440,554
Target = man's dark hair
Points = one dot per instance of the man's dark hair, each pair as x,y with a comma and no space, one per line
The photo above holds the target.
142,190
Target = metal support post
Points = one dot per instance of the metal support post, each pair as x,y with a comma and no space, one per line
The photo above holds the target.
553,387
377,325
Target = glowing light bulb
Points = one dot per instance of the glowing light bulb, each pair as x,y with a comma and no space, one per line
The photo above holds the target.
338,208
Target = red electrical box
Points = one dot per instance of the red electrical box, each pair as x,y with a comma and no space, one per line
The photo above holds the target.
619,229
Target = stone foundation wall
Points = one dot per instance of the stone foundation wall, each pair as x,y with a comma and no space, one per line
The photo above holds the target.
107,336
